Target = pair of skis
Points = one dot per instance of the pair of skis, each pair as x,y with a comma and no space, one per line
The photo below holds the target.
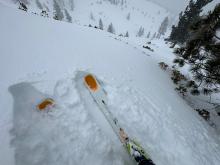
133,148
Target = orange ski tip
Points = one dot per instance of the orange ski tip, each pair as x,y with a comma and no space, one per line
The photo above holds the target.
91,82
45,103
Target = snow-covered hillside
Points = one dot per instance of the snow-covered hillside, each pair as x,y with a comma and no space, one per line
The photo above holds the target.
125,15
44,58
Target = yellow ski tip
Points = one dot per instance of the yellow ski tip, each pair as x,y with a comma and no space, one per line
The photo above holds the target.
43,105
91,82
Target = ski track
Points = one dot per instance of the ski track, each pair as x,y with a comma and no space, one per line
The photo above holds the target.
65,134
74,131
69,133
163,127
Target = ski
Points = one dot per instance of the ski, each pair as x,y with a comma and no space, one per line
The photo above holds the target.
134,149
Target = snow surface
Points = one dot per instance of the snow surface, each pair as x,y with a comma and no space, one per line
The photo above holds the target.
142,14
42,58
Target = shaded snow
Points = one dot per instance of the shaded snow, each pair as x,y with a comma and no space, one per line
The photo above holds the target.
68,134
63,135
41,58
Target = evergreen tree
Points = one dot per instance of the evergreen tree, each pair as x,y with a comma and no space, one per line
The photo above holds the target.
158,36
202,51
58,14
163,27
122,2
128,16
92,17
154,36
111,28
39,4
22,6
101,24
140,32
127,34
180,32
148,35
71,4
68,17
23,1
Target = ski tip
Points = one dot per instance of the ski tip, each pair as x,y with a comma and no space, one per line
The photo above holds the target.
44,104
91,82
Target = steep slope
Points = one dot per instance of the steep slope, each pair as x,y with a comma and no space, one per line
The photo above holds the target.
125,15
41,57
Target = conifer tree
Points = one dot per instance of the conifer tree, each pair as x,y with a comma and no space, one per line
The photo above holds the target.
68,17
58,14
128,16
140,32
39,4
92,17
127,34
148,35
202,51
180,32
111,28
71,4
24,2
163,27
23,5
154,36
101,24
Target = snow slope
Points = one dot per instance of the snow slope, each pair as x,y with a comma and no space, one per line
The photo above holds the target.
42,58
142,14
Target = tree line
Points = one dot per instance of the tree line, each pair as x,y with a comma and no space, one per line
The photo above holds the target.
199,39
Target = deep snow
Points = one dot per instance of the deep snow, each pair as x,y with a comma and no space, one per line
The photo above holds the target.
42,58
